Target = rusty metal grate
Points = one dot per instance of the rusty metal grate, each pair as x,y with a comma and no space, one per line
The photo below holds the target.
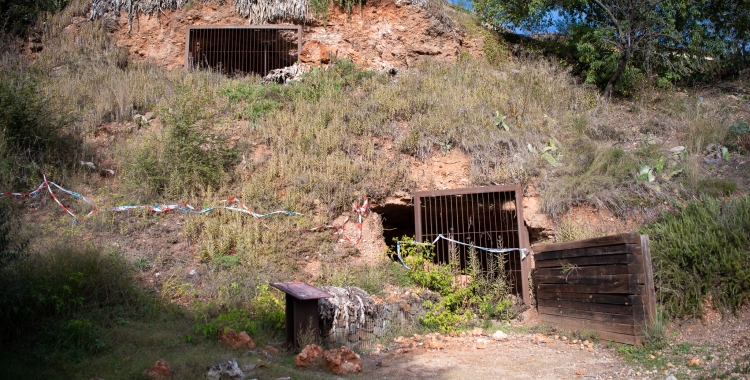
490,217
239,50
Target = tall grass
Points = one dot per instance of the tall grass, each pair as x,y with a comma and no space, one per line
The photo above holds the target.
61,295
701,252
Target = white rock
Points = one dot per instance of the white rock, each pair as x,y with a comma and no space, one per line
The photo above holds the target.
671,377
499,335
677,149
192,272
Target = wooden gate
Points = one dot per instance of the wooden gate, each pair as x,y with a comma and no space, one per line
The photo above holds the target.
602,284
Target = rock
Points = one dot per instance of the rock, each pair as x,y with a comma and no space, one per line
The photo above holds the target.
499,335
315,52
228,369
149,115
272,349
140,120
678,149
341,361
434,344
580,372
160,370
232,340
477,331
481,344
694,362
539,338
671,377
417,338
452,334
309,356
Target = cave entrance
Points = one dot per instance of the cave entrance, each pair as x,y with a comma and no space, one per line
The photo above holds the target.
241,50
470,225
398,220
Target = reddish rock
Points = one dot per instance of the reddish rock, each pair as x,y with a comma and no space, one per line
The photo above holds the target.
315,52
309,356
233,340
342,361
160,370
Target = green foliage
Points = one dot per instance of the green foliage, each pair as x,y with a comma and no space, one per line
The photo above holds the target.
61,296
452,311
189,156
701,252
265,313
483,293
424,272
33,136
17,15
654,331
714,187
13,246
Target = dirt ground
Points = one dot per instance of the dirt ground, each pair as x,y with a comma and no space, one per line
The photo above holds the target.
520,357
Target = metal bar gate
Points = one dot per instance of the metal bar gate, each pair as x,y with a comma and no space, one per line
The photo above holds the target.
490,217
251,49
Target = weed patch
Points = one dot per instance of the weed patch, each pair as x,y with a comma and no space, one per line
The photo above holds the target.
464,292
701,251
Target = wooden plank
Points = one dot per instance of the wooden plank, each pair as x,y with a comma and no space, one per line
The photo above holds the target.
603,335
595,242
615,299
574,278
650,294
617,328
599,270
593,260
590,315
587,306
589,251
616,288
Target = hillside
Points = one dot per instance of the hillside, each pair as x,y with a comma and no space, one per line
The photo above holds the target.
396,97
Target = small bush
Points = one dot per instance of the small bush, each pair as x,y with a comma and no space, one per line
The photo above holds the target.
485,293
700,252
265,313
56,295
715,187
34,137
188,157
12,244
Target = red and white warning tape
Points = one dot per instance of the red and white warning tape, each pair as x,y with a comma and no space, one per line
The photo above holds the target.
362,213
232,204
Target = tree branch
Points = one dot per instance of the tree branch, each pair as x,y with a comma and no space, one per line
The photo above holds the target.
613,18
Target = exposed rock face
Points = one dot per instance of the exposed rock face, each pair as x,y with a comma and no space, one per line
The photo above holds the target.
382,34
160,370
342,361
309,356
233,340
315,52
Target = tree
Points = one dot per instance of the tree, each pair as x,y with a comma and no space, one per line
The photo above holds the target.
633,30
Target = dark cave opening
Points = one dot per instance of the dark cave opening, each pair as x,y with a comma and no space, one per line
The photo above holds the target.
398,220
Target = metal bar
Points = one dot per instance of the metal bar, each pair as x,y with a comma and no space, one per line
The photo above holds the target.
418,218
471,190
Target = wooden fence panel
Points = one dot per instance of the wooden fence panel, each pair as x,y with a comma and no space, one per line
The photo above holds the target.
603,284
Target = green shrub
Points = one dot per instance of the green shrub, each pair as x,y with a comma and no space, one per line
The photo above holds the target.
701,252
265,314
34,137
17,15
715,187
12,245
485,293
55,295
187,157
